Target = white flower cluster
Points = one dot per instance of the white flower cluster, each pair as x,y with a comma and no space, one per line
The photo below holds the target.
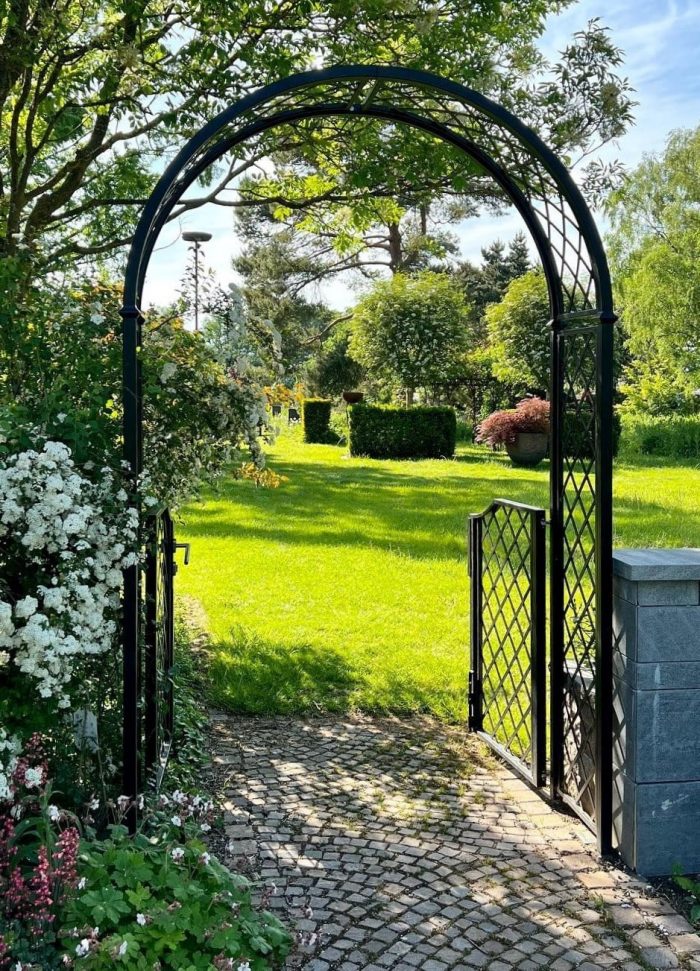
67,540
9,750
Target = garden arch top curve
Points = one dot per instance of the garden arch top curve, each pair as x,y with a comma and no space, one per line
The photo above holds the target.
575,266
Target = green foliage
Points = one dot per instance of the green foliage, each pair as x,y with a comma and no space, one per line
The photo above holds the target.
655,256
408,328
365,193
315,416
487,283
387,432
674,436
519,334
128,84
691,887
332,370
194,909
61,370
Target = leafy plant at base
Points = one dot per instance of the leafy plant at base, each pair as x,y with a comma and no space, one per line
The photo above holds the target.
159,899
692,887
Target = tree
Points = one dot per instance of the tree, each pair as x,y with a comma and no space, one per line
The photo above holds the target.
276,310
360,193
333,370
655,254
409,328
519,334
94,94
487,283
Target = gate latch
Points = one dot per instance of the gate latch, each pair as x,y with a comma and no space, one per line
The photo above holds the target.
186,548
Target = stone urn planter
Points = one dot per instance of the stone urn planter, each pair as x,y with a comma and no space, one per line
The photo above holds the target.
523,431
528,449
352,397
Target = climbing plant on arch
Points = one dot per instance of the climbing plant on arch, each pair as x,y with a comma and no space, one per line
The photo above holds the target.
580,515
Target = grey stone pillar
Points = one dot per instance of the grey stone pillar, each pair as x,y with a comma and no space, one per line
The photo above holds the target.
657,709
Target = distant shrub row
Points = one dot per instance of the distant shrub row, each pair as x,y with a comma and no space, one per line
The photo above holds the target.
671,437
316,416
383,432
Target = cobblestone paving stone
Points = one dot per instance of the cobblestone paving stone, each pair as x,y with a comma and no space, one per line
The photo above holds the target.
401,844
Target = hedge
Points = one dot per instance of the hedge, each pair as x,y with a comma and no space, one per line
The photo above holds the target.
576,433
383,432
316,416
676,436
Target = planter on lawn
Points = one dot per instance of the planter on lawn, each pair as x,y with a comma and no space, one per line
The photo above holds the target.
529,448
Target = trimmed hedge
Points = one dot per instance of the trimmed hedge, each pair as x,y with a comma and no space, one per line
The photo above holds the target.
316,416
383,432
676,436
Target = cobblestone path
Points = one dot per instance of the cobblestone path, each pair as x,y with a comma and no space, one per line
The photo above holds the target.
400,844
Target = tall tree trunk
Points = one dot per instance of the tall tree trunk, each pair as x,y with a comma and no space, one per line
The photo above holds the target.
395,248
409,397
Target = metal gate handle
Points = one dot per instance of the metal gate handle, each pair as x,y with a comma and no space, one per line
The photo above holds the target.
186,548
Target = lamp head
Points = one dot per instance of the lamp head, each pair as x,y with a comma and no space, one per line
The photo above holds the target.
196,236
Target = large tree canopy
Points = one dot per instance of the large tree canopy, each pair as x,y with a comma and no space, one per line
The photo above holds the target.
655,254
359,193
96,96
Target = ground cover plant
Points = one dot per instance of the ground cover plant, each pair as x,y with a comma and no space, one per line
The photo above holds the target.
347,586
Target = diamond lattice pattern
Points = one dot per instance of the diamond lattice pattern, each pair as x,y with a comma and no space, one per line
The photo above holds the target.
578,350
507,629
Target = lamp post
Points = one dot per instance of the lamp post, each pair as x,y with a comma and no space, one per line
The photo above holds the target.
197,237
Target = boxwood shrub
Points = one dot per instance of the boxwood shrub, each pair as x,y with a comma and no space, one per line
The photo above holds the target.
316,416
383,432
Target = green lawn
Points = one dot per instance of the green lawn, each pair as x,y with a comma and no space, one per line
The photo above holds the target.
347,586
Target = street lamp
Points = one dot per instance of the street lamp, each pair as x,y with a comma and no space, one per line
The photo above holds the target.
197,237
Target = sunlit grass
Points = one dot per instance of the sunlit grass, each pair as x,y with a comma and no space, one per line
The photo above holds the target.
347,587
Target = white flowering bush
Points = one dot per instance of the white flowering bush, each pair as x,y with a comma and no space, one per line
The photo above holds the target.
65,540
9,750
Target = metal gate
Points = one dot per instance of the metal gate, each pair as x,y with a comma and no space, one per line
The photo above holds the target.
508,678
159,642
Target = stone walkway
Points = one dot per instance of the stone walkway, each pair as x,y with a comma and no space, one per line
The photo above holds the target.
401,844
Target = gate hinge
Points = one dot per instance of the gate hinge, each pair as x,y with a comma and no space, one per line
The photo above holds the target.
473,700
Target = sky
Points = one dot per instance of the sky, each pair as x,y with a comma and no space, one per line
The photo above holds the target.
661,40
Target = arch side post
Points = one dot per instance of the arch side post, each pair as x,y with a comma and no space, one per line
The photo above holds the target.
132,325
605,380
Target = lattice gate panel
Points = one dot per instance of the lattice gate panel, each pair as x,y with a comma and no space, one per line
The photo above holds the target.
578,709
159,645
508,668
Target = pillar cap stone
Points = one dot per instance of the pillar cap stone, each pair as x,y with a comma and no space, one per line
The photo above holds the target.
657,564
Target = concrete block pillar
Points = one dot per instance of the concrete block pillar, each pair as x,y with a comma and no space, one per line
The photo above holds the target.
657,709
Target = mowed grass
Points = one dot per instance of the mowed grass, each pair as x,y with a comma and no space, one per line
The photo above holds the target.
347,587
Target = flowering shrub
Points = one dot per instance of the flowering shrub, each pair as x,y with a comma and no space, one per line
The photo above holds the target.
65,541
157,900
502,427
38,864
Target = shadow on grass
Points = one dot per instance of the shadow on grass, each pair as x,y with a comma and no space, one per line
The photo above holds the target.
423,515
254,676
250,675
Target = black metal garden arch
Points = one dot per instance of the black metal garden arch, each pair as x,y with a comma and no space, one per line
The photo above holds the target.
580,513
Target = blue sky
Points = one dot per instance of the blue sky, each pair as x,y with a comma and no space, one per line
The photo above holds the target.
661,39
